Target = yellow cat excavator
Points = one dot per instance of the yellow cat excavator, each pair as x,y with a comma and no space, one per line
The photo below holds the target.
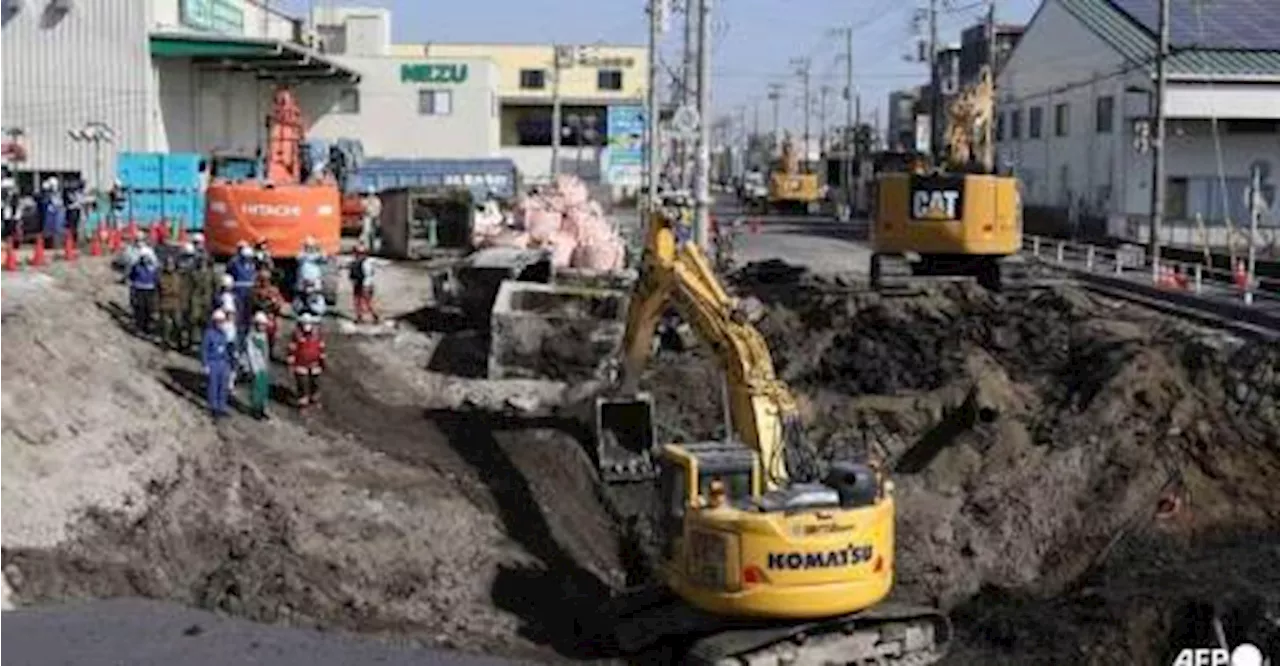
961,220
766,558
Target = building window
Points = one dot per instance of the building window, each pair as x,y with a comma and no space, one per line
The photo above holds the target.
1015,124
1000,126
348,101
609,79
1061,119
533,79
435,102
1035,122
1105,112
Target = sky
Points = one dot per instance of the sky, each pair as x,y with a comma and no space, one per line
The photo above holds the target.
753,41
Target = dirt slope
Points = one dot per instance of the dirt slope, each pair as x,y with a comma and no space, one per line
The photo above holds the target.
1033,435
364,516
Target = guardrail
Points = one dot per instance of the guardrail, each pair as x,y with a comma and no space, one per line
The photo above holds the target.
1212,295
1127,261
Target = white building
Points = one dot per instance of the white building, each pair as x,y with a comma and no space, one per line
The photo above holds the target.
197,76
1074,101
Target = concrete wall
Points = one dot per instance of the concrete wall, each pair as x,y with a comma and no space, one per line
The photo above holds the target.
390,125
62,70
577,83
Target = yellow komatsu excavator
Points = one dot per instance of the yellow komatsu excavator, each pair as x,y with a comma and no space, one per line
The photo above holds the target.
766,558
960,220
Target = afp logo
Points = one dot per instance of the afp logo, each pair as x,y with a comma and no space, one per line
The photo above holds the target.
937,198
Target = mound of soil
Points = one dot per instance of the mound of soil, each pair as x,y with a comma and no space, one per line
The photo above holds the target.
1032,435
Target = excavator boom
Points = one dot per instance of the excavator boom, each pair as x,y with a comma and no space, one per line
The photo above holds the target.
767,558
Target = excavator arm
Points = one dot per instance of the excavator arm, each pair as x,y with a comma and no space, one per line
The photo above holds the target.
762,410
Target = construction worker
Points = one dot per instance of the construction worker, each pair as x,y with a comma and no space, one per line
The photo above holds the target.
217,357
143,282
311,263
243,272
199,277
262,256
306,359
174,296
258,361
361,274
53,214
225,298
117,204
369,217
201,250
9,187
311,301
268,301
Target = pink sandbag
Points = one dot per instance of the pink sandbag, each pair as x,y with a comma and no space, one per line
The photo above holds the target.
572,190
594,230
562,247
542,224
606,256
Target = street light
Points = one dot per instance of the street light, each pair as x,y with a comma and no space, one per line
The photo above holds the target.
97,133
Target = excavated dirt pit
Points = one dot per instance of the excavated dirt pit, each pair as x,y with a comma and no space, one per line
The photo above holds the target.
1078,483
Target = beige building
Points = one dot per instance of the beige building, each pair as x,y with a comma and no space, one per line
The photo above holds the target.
602,91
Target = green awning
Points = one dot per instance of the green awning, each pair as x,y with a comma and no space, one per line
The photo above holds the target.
270,59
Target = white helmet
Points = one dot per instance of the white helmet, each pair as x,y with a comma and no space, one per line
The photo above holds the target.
307,319
198,239
219,315
146,253
309,241
51,183
227,281
241,244
188,248
260,318
246,251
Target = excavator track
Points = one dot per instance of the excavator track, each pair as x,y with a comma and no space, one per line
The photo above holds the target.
895,275
888,634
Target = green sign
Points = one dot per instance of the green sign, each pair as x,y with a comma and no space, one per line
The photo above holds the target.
444,73
222,16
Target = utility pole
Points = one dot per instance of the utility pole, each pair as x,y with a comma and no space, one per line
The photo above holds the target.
1157,143
688,88
850,119
775,96
823,92
653,147
1256,206
702,167
561,60
935,90
802,66
989,134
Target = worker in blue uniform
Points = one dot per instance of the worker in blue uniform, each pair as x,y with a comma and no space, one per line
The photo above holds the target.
216,355
144,280
243,270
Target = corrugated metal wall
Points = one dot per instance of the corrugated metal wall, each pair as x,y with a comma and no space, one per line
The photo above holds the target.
60,71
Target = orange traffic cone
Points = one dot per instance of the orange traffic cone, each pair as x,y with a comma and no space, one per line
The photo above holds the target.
114,241
11,254
37,256
133,229
68,248
1240,276
95,243
182,233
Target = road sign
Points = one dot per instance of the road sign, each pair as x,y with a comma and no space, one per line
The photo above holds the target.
685,121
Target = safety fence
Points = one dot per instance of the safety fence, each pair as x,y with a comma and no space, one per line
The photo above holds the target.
1234,294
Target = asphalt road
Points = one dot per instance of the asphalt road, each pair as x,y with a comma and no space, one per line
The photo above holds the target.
139,632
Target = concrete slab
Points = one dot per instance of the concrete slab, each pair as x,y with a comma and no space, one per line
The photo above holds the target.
552,331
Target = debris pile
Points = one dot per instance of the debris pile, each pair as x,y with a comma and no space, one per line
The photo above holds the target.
562,218
1033,437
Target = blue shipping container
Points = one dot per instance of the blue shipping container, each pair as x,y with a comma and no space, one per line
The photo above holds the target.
181,171
140,171
480,176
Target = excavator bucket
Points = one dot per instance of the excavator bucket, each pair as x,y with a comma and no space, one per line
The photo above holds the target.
624,438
